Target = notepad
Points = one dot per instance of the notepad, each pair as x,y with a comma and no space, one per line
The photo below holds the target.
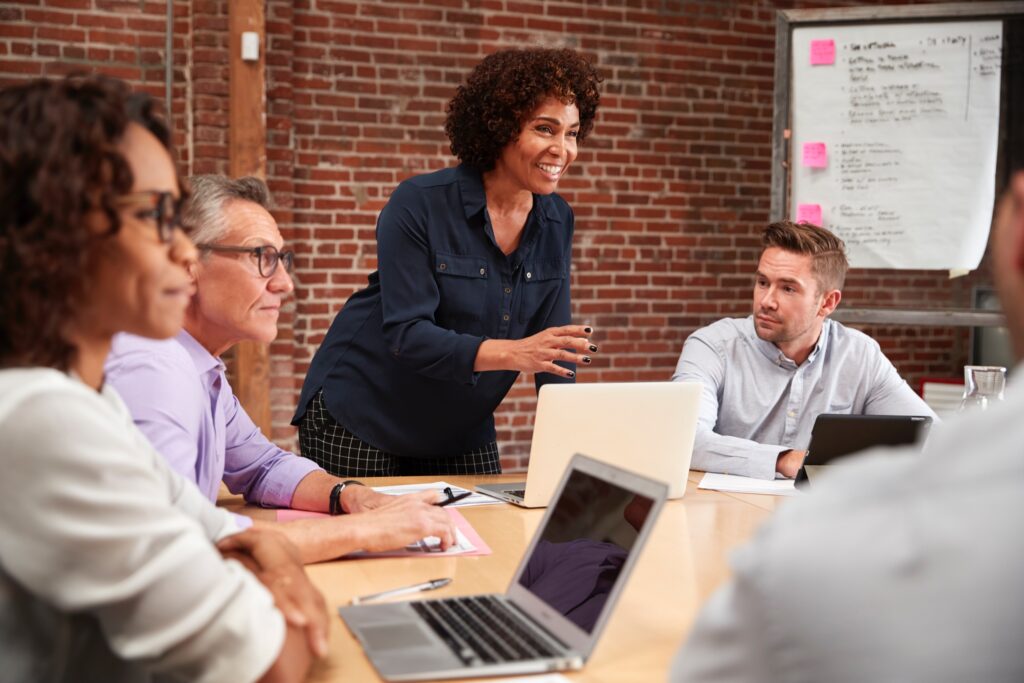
734,483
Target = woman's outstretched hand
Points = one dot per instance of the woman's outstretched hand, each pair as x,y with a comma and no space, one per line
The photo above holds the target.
538,353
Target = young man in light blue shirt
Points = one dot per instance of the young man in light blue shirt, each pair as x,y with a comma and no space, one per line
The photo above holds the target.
767,377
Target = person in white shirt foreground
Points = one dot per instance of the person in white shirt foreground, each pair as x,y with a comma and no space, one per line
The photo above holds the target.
899,566
112,567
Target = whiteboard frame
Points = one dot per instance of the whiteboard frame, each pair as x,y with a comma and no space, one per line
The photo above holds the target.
785,22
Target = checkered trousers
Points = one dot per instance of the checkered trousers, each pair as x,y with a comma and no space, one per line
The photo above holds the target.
344,454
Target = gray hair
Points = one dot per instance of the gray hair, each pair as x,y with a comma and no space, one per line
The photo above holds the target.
204,211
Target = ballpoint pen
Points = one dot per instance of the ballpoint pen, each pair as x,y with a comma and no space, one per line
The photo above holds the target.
418,588
453,497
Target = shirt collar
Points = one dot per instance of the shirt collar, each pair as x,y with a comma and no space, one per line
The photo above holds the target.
474,199
772,352
203,359
471,187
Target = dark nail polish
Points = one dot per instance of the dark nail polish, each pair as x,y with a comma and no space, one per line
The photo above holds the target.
571,374
588,330
593,349
586,359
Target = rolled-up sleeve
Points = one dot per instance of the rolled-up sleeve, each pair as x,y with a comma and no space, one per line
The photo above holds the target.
410,296
254,466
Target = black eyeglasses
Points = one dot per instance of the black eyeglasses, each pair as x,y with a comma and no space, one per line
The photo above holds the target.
163,207
267,256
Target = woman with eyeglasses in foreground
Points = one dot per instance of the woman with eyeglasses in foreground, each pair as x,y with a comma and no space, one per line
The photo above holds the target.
112,567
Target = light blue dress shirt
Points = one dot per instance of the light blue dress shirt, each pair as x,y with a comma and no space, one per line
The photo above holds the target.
757,402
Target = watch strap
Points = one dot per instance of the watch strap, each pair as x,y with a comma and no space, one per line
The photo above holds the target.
334,504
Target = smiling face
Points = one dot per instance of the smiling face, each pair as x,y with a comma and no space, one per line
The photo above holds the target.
789,306
233,302
137,283
545,149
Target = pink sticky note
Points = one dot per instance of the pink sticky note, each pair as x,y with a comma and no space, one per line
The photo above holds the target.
823,52
809,213
815,155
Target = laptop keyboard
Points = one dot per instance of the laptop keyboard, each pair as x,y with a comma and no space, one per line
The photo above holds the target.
481,630
518,493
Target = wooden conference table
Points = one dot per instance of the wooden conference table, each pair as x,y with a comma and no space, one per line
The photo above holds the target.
685,560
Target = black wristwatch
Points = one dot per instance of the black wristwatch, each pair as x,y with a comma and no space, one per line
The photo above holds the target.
334,506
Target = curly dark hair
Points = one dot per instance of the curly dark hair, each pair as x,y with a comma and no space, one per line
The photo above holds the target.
489,110
58,162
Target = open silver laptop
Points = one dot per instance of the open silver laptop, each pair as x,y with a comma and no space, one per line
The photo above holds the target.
556,606
645,427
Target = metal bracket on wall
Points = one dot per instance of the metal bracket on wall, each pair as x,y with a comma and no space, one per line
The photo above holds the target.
939,317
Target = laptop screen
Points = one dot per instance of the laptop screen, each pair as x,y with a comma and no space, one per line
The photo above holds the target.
581,551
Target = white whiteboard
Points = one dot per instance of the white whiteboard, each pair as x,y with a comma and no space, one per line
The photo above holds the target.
909,117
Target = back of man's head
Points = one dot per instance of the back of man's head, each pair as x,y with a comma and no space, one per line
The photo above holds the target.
204,212
827,252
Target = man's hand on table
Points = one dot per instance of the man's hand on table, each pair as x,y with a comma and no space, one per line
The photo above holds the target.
790,462
405,519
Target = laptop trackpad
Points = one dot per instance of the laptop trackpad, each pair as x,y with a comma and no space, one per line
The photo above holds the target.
395,636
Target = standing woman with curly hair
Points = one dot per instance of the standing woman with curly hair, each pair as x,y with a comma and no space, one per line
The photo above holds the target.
112,567
472,285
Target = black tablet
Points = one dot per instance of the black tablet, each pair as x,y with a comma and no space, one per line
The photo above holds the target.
835,436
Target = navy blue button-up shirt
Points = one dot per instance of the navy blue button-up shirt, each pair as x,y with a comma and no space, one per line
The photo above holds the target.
396,366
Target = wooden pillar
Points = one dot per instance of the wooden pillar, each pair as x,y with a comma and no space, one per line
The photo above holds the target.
248,156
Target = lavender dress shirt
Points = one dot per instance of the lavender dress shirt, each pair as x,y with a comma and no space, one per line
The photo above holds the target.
179,397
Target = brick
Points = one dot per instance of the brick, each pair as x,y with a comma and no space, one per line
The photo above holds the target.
669,192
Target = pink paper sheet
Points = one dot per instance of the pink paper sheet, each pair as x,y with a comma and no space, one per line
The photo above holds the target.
461,522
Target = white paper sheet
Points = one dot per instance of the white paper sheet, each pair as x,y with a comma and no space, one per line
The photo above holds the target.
736,484
909,118
439,486
431,545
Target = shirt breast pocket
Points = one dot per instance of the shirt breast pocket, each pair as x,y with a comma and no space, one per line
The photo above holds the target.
462,283
542,281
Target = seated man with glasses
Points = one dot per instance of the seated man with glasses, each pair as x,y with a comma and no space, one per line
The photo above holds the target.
180,398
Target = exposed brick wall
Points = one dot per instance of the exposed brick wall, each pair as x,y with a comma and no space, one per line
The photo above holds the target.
123,39
669,192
